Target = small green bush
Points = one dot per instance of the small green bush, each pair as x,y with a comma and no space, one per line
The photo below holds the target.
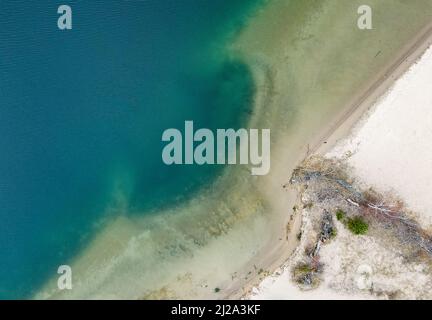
357,225
340,214
333,233
303,268
308,205
216,290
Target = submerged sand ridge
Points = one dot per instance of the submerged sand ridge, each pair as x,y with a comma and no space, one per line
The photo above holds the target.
309,60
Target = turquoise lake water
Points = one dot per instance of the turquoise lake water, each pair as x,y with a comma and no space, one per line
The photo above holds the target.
82,112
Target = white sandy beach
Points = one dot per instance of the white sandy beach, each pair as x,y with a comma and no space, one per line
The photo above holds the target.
389,149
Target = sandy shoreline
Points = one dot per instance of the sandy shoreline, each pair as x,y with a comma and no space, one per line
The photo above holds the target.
385,80
339,129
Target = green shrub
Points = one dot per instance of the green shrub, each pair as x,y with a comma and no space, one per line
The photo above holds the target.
308,205
303,268
216,290
357,225
340,214
333,233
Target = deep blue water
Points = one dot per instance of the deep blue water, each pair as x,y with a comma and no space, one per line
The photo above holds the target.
82,112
